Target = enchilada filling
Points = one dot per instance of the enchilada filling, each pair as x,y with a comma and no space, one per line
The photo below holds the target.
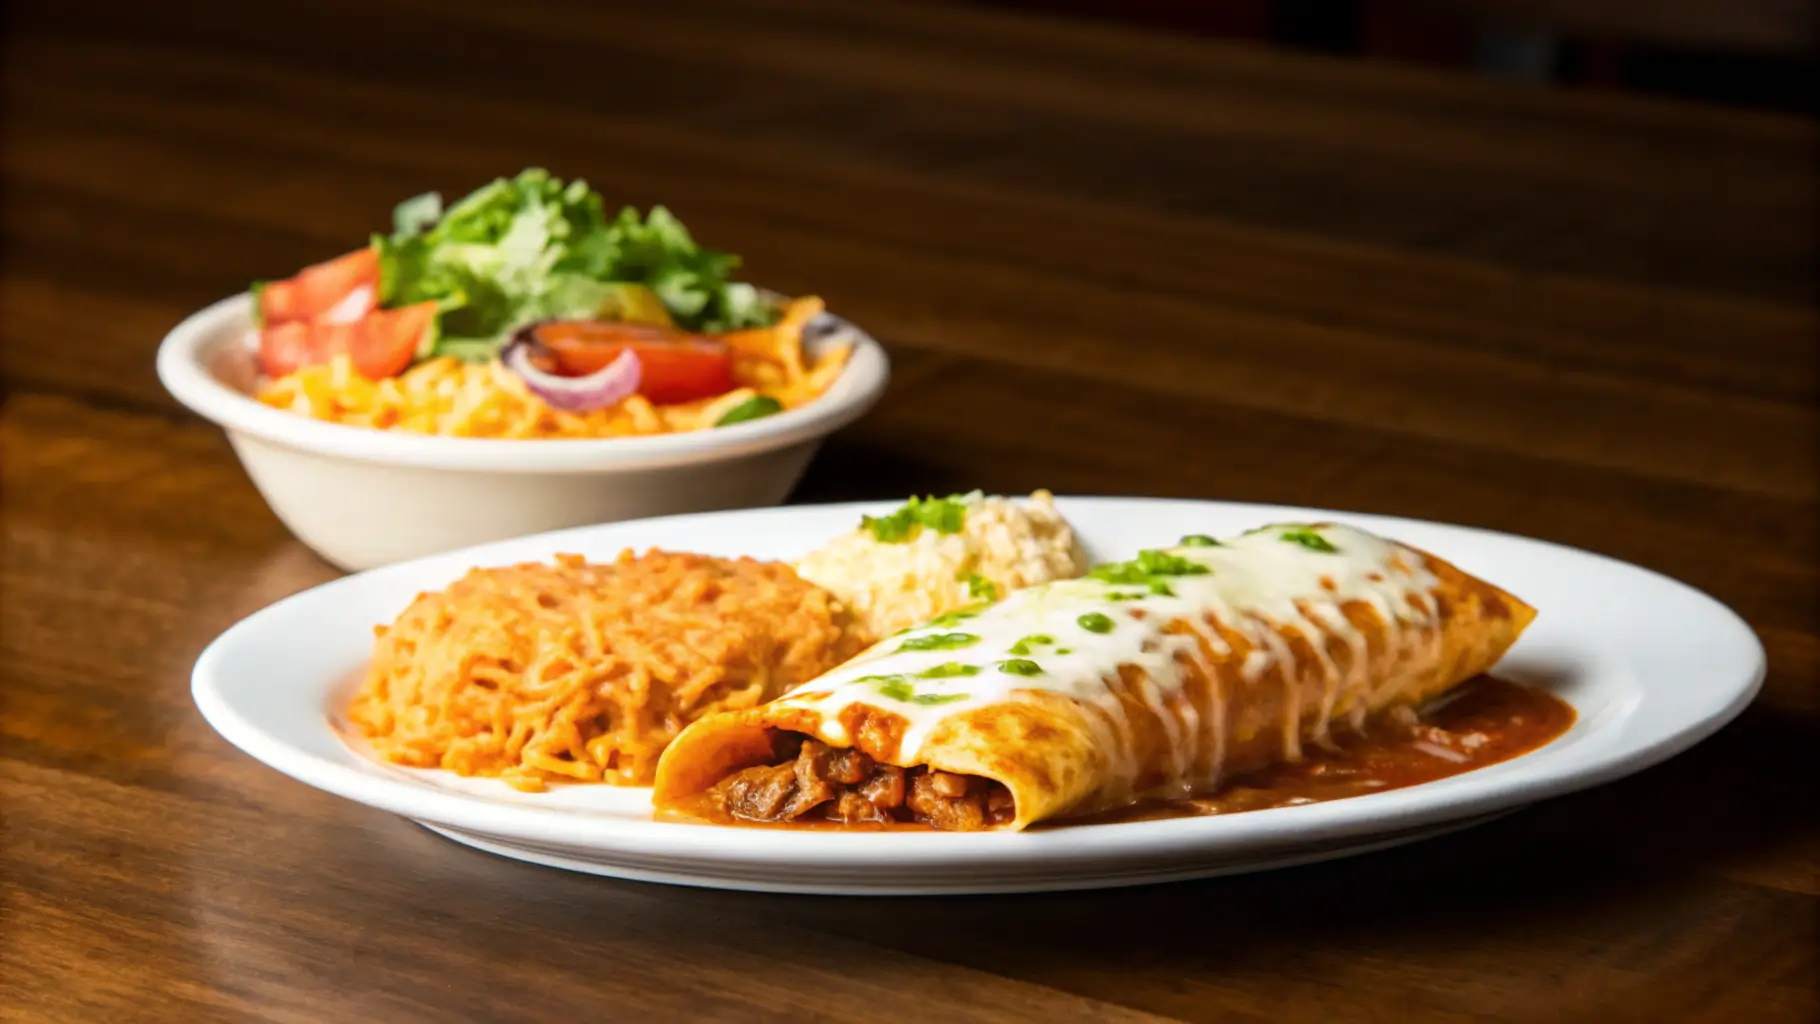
812,781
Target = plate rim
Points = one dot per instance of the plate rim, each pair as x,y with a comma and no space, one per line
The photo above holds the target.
1120,878
1430,803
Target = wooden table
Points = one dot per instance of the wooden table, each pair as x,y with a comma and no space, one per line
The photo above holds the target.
1103,263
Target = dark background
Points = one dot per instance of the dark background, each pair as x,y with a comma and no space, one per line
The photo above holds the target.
1746,53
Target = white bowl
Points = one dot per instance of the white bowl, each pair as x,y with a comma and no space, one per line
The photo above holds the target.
363,498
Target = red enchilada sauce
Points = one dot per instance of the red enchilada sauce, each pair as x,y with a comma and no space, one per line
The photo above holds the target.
1481,722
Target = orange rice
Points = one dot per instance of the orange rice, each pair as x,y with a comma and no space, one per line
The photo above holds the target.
585,672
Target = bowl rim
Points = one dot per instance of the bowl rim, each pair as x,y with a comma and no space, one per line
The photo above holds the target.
182,371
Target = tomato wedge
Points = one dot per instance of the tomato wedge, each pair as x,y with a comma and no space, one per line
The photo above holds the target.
288,347
385,342
677,366
382,344
341,290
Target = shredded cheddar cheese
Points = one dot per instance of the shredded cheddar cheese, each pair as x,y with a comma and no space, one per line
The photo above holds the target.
451,398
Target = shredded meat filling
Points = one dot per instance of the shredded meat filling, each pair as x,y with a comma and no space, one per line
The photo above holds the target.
814,780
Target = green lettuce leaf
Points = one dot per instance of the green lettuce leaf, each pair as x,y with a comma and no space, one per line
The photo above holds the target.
516,251
417,213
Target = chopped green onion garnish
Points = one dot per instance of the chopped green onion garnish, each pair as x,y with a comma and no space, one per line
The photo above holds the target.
1094,622
1308,538
899,687
949,670
895,687
981,587
1200,540
1033,640
1146,566
953,618
1162,563
1150,570
939,642
943,515
1020,667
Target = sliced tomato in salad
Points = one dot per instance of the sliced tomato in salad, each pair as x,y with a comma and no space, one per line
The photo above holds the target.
385,342
381,344
285,348
342,290
676,366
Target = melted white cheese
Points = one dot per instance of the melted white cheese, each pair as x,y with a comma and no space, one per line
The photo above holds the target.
1258,585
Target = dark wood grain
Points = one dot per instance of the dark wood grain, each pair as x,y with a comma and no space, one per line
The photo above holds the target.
1103,262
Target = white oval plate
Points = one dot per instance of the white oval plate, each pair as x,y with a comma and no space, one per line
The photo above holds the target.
1652,666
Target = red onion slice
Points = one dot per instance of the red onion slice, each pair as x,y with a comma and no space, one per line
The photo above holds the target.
611,384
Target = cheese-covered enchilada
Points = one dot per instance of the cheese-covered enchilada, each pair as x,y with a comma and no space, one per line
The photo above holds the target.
1148,680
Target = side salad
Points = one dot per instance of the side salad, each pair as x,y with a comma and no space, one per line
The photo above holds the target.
588,309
